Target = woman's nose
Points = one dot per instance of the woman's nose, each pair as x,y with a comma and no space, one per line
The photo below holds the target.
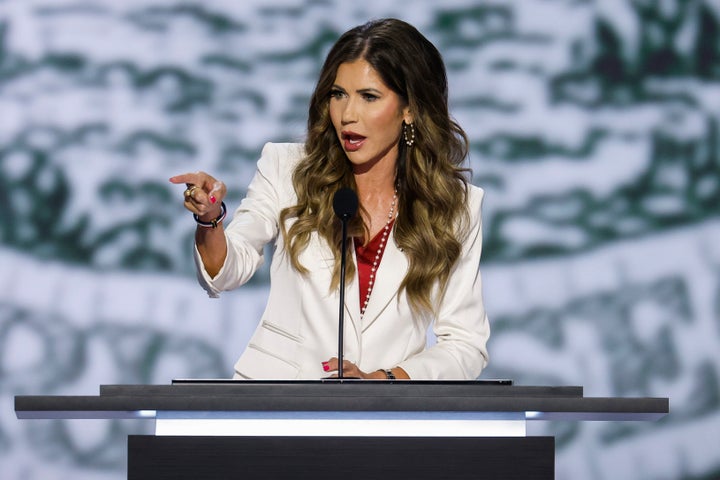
349,113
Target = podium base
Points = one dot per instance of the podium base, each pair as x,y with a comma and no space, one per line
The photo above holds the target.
332,458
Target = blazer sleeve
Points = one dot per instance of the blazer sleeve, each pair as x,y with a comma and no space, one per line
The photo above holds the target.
461,325
255,221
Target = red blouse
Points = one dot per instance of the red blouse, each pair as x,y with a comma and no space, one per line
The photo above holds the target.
365,258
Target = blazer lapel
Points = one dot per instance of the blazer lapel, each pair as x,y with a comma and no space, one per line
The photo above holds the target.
352,295
389,275
352,303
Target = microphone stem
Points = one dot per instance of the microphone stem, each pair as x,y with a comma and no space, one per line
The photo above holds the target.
341,315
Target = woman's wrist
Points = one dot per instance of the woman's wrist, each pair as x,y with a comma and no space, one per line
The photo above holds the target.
386,374
211,219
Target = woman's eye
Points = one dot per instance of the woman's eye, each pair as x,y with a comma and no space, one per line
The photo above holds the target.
369,97
336,94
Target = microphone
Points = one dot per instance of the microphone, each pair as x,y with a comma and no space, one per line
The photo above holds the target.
345,205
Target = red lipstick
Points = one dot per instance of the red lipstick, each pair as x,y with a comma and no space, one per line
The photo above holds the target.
352,142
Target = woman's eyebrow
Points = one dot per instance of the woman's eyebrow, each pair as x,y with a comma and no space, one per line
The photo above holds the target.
369,90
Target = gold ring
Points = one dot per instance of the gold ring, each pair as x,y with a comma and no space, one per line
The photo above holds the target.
190,192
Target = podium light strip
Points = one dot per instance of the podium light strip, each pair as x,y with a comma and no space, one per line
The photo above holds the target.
421,424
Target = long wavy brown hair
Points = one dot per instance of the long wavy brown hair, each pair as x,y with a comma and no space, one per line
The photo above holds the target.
431,182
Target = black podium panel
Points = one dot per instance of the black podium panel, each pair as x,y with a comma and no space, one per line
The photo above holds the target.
340,458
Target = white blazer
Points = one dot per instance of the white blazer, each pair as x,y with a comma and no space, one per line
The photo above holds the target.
299,328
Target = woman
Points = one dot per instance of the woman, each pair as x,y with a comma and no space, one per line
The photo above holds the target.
379,124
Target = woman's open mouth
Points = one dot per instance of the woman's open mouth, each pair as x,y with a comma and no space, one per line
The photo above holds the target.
352,141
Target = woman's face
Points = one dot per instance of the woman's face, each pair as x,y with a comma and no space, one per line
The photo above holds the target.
367,116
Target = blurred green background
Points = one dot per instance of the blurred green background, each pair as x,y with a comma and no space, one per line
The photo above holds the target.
594,131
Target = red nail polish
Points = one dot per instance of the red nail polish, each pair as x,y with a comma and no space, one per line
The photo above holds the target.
213,199
326,367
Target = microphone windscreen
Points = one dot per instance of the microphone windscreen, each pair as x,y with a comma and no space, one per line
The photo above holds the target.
345,203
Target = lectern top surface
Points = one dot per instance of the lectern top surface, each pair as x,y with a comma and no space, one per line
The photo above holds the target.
131,401
230,381
344,388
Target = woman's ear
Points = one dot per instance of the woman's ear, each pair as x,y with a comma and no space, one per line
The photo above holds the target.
407,116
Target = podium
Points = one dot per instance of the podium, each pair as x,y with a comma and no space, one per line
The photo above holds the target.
215,429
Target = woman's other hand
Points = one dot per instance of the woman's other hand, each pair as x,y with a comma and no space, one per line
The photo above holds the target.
204,194
350,370
204,197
